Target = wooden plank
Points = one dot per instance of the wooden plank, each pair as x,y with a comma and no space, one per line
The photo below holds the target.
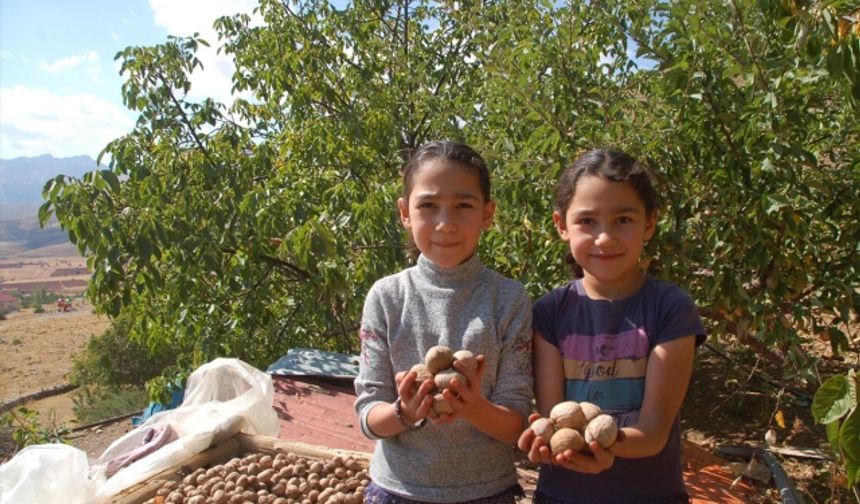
800,452
270,444
744,451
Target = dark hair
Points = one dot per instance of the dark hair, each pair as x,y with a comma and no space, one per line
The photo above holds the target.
451,151
611,165
456,152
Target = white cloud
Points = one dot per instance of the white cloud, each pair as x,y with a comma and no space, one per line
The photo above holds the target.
88,60
6,54
189,16
36,121
197,16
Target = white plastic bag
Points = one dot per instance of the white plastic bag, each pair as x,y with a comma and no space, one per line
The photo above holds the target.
222,398
46,473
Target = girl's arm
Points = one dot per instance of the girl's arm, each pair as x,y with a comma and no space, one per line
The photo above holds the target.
502,414
548,373
382,419
494,420
549,391
666,379
375,387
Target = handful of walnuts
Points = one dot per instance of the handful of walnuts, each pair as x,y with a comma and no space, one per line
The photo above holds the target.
574,425
438,366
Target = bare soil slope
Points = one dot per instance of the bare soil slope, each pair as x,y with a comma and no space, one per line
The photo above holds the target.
39,347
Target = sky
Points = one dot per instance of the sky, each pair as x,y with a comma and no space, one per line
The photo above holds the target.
60,88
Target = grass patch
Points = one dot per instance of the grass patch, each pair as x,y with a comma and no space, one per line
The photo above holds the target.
92,404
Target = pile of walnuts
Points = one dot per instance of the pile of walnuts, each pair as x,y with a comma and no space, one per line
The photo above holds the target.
574,425
259,478
438,366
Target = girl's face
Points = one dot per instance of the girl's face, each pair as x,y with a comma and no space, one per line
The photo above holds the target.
446,212
606,227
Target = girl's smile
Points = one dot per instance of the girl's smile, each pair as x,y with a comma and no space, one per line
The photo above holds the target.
606,227
446,212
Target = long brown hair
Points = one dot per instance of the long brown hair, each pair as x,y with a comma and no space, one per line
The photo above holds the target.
611,165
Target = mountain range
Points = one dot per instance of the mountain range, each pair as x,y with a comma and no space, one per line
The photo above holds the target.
22,178
21,183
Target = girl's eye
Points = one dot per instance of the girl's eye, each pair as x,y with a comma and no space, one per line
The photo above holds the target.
625,220
465,205
426,204
585,221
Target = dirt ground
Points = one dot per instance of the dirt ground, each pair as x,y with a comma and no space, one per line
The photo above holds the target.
729,405
39,348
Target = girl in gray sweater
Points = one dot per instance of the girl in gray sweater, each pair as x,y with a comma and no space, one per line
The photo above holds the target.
448,298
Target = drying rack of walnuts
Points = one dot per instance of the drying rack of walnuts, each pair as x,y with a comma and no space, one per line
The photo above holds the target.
258,470
574,425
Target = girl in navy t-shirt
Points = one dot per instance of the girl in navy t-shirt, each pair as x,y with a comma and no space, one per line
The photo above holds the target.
614,337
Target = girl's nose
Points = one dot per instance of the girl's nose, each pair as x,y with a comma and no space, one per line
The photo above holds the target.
603,238
445,222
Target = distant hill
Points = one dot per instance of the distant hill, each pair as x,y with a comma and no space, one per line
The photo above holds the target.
22,179
21,183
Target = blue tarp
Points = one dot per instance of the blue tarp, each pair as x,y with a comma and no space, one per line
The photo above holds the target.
310,362
176,398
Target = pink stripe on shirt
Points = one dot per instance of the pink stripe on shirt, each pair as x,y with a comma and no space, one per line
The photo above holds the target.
632,344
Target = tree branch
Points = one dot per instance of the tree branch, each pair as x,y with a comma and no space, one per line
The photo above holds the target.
744,337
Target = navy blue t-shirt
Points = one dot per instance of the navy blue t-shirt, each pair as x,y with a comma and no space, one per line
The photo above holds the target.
605,347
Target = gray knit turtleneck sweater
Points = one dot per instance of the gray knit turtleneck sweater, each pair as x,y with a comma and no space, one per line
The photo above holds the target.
465,307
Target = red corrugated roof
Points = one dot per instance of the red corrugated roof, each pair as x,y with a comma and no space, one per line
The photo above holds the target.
319,411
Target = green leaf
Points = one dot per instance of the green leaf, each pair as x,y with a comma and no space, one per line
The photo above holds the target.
111,179
45,211
833,400
776,203
144,249
832,431
853,473
849,442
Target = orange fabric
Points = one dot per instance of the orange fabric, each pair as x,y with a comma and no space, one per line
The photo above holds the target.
708,481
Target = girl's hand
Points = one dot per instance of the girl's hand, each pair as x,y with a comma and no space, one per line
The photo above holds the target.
465,396
442,419
413,405
539,452
599,460
534,445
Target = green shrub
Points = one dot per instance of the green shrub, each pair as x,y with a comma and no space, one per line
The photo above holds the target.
37,298
22,427
114,361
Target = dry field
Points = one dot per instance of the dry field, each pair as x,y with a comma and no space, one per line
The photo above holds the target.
57,267
37,348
